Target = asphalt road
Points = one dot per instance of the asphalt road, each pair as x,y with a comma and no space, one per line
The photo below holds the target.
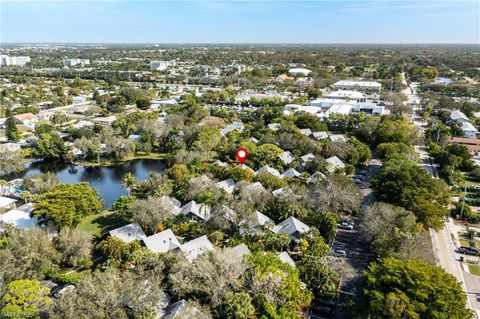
443,244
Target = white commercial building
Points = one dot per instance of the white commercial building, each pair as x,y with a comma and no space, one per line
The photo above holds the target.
358,85
346,95
73,62
299,71
161,65
6,60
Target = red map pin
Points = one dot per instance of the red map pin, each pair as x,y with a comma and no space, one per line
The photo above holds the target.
241,155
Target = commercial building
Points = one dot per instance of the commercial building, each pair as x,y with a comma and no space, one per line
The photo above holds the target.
358,86
73,62
161,65
6,60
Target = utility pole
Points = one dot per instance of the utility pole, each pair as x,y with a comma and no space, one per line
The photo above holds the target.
463,202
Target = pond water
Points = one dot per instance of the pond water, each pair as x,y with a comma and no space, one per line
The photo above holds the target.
107,180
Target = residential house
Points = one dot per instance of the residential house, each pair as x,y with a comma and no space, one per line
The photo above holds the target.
292,227
231,127
307,158
291,173
7,203
105,121
468,130
20,217
334,164
173,204
287,158
196,247
337,137
162,242
27,119
180,310
282,78
257,224
128,233
274,126
306,131
319,135
285,257
316,177
227,185
270,170
11,147
194,211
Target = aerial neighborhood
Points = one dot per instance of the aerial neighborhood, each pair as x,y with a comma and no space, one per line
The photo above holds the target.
123,194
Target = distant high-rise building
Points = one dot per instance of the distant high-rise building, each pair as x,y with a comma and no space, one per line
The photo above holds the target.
6,60
73,62
161,65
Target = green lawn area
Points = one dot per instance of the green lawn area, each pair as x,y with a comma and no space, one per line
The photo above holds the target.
464,243
98,224
473,267
470,182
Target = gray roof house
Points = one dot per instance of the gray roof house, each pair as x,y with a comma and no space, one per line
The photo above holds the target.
316,177
162,242
286,157
320,135
268,169
274,126
196,247
292,227
128,233
172,204
306,131
195,211
231,127
291,173
256,224
337,138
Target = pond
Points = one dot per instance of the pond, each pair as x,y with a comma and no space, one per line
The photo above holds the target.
107,180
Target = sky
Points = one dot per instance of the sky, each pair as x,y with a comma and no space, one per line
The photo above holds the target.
235,21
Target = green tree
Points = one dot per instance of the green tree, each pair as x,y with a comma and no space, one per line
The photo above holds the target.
320,278
238,306
11,130
119,251
68,204
10,162
402,182
143,103
277,287
75,246
122,207
129,181
24,299
412,289
27,254
267,154
49,147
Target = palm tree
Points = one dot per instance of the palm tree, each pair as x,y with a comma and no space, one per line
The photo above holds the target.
129,181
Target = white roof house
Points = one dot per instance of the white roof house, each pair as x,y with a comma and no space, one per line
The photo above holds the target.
297,71
196,211
128,233
337,137
307,158
274,126
467,127
231,127
306,131
256,224
196,247
320,135
253,140
227,185
291,173
7,203
334,163
459,116
286,157
162,242
292,227
268,169
285,257
19,218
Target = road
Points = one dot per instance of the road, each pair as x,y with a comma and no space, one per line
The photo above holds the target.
443,241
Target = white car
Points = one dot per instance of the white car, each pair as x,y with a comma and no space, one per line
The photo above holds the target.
338,252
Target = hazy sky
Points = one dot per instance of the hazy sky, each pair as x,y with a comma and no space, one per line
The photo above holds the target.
240,21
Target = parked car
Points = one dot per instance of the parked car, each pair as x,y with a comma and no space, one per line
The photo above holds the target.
338,252
468,250
345,225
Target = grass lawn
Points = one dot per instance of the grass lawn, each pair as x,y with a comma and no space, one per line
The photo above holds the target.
470,182
473,267
98,224
464,243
